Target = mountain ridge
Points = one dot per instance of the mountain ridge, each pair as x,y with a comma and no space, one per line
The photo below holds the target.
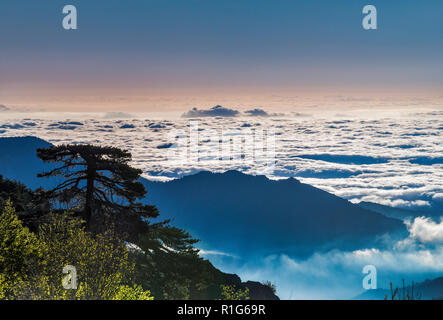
297,214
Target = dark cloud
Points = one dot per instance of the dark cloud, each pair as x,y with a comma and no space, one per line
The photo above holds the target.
345,159
217,111
220,111
127,126
257,112
165,145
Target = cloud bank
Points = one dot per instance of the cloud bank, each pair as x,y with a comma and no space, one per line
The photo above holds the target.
426,230
338,274
216,111
260,113
390,159
220,111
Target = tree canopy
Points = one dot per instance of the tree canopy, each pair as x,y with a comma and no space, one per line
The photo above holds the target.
100,181
31,264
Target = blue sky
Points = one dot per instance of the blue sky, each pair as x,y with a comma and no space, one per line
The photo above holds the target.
157,49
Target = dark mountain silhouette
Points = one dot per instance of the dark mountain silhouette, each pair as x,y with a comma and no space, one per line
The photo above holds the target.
257,290
428,290
240,214
237,213
18,160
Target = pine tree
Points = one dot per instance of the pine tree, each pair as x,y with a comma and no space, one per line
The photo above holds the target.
100,181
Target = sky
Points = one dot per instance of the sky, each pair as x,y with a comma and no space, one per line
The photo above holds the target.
157,55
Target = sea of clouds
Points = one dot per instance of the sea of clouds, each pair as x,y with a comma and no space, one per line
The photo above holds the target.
391,158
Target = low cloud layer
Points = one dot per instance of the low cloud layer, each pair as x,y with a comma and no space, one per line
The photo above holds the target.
426,230
337,274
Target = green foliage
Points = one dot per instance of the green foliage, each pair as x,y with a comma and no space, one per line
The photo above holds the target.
31,266
19,249
29,205
132,293
102,261
16,192
169,265
165,261
232,293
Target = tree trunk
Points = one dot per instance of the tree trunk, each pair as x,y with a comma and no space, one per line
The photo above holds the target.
89,204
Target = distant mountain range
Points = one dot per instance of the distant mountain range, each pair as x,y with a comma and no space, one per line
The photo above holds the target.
240,214
397,213
237,213
428,290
